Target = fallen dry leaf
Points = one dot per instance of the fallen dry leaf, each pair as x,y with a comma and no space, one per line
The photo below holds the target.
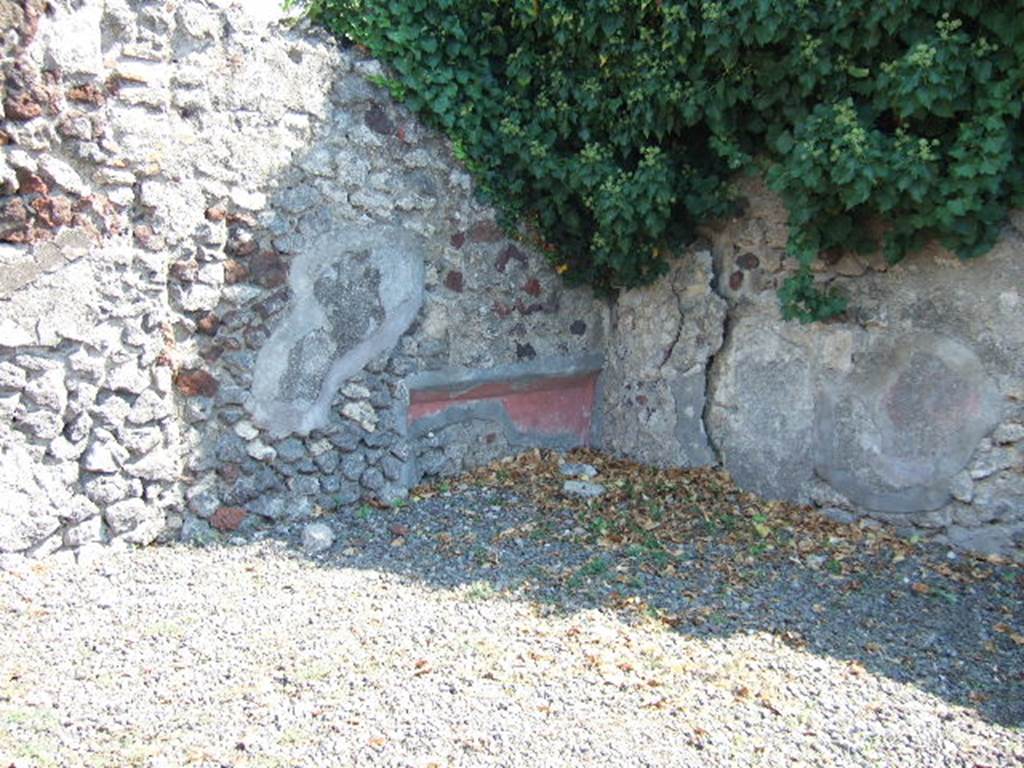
656,509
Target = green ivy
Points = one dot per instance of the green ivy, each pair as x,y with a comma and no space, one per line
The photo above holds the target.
611,128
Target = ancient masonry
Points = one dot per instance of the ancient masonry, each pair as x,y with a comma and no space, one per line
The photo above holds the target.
239,283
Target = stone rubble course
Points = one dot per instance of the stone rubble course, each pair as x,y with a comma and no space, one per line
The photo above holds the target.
222,254
230,266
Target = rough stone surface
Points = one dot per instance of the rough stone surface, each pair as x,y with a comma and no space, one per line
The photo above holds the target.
761,414
663,339
228,261
199,272
908,410
228,518
317,538
894,406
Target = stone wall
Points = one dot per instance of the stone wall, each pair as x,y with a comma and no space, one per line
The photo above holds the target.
226,259
910,412
238,284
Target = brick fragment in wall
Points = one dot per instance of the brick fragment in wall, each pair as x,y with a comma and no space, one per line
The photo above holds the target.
228,518
196,383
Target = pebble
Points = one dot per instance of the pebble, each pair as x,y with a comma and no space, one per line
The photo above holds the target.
570,469
583,489
317,538
409,657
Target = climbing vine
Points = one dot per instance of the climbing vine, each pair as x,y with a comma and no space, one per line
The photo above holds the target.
611,128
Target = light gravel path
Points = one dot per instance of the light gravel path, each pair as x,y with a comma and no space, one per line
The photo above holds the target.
257,655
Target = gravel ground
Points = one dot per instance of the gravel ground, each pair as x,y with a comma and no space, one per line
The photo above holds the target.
467,629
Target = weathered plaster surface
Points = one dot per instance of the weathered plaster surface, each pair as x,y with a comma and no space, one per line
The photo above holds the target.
225,253
664,338
238,283
908,411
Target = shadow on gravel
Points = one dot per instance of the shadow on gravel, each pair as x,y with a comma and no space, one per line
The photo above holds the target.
914,619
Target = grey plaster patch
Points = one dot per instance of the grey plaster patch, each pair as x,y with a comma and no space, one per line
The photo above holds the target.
689,391
354,293
762,411
461,379
893,435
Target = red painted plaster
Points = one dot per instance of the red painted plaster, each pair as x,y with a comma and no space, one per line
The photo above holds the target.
545,406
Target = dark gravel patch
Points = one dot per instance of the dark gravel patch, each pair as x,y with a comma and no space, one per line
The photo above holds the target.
472,629
915,615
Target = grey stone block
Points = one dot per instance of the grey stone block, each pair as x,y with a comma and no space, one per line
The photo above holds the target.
373,480
353,465
197,532
583,489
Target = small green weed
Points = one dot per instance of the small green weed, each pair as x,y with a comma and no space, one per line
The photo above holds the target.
594,568
480,590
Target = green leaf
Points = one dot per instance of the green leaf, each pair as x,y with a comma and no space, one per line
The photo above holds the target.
558,108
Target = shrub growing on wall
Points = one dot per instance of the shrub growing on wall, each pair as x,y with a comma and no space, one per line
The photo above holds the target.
611,128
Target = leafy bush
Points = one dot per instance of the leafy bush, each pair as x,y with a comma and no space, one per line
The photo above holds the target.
611,128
